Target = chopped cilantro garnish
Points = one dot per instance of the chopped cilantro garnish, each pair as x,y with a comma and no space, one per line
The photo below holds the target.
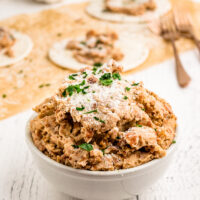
92,111
100,71
135,84
44,85
97,119
97,64
94,69
125,97
106,82
116,76
71,77
103,151
105,79
98,42
41,86
174,141
83,42
75,146
93,91
83,90
4,96
70,90
138,125
80,109
86,146
127,89
82,83
84,74
75,88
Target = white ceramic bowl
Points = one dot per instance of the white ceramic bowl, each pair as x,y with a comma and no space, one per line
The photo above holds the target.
99,185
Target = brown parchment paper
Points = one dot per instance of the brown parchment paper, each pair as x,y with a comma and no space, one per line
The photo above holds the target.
28,82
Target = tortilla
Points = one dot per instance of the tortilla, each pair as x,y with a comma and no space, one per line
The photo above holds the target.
97,10
135,53
21,49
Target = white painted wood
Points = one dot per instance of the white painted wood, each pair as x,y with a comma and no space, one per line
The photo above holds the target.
20,180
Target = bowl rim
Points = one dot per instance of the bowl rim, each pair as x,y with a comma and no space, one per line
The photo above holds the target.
53,163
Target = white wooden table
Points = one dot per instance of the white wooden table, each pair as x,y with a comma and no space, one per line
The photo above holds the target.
20,180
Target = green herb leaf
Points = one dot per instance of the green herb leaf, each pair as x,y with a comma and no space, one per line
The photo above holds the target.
125,97
82,83
83,42
84,74
80,109
105,79
174,141
138,125
103,151
44,85
97,119
47,84
92,111
75,146
100,71
71,77
116,76
127,89
86,146
4,96
41,86
94,69
70,90
135,84
98,64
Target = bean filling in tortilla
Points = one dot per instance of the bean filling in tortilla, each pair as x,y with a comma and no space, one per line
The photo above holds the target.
130,7
96,48
7,40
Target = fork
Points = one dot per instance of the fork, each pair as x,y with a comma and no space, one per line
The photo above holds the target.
184,26
169,33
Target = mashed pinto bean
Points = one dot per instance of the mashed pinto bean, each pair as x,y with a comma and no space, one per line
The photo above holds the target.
130,7
104,124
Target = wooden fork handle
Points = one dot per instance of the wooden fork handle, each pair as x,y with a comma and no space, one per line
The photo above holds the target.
197,42
182,76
